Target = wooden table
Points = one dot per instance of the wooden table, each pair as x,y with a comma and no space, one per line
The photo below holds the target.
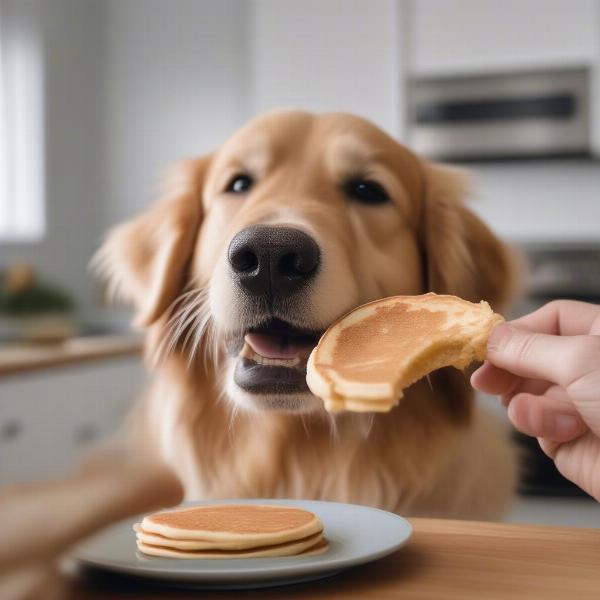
445,559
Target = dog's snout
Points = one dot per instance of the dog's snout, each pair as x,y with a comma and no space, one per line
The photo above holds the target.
273,261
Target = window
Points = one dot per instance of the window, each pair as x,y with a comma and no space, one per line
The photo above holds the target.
22,215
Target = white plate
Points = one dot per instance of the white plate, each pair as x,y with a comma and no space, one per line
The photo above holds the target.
357,535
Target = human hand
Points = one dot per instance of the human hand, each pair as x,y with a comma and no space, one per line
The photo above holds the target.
546,368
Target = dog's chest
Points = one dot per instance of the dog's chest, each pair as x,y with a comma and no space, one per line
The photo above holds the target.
291,462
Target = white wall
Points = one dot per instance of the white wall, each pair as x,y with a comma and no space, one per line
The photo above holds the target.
71,44
131,86
328,55
173,88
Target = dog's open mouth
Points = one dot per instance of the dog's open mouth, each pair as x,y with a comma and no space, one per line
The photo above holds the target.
272,358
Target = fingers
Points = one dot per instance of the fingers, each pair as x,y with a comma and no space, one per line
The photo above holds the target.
493,380
562,317
535,407
552,418
560,360
546,367
549,447
528,386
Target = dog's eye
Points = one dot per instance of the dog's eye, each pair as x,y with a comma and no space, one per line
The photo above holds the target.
366,191
239,184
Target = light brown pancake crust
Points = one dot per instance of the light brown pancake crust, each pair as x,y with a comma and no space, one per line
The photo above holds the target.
246,525
314,544
155,539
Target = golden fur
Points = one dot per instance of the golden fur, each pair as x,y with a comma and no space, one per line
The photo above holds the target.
437,453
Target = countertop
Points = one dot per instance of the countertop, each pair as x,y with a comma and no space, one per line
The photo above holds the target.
453,560
23,357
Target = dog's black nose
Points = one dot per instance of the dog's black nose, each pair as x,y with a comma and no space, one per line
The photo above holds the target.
271,261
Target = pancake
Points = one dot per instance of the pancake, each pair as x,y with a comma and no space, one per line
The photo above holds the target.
234,526
365,360
154,539
314,544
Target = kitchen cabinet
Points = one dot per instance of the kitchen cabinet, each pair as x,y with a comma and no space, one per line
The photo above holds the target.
355,56
482,36
458,38
553,202
48,417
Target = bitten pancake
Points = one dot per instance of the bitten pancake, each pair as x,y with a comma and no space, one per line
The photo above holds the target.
314,544
364,360
245,526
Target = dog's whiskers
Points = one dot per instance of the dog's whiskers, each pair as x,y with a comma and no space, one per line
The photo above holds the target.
429,382
333,427
189,326
202,331
195,325
366,424
176,323
177,311
304,425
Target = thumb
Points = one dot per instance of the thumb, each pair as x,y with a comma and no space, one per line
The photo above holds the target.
564,360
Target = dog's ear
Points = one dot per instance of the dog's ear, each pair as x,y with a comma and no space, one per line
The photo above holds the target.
144,260
462,256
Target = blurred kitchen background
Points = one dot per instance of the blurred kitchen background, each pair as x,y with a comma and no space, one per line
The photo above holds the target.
97,97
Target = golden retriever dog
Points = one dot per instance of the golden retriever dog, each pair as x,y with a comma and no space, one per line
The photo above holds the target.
253,252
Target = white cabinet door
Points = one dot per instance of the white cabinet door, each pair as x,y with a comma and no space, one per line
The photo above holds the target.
464,36
46,418
328,56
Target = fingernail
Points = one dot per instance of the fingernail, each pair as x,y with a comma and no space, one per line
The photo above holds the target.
566,425
498,333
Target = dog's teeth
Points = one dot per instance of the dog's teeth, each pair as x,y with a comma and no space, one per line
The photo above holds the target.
290,362
248,352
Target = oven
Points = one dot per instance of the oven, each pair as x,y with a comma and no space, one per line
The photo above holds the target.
498,116
554,271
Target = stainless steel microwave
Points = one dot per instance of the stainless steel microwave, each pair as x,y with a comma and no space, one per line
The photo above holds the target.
518,115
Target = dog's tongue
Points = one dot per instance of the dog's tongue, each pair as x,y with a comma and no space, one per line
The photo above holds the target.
271,345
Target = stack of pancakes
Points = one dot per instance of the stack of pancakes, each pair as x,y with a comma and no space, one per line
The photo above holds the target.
231,531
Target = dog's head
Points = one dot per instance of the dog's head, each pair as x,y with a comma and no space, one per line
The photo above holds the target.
294,221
